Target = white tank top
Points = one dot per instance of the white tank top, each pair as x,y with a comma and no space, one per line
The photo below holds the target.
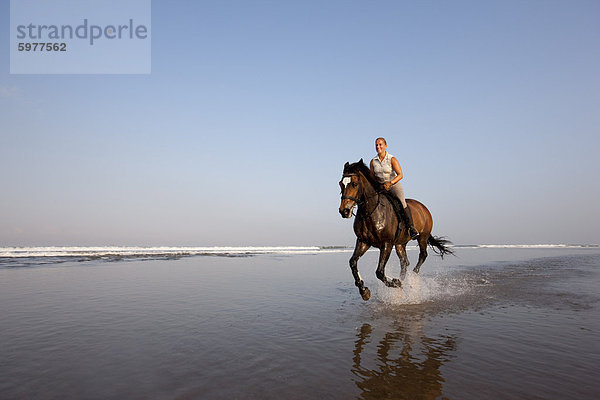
383,169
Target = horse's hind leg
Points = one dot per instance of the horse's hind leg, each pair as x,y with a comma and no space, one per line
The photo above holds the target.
384,256
404,261
422,251
359,250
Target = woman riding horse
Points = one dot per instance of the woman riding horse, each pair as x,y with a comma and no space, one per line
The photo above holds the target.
388,172
377,224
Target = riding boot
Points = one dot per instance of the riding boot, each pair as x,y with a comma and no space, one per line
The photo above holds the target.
412,232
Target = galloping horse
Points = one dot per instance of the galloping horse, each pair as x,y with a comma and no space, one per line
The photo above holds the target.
376,225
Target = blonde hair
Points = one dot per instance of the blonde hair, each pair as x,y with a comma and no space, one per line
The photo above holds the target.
380,138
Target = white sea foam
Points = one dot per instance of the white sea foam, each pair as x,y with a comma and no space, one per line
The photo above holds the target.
114,251
164,251
526,246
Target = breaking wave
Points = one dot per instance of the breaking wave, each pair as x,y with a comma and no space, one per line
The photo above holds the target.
28,256
526,246
21,252
25,256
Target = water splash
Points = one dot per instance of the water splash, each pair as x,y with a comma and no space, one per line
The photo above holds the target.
421,289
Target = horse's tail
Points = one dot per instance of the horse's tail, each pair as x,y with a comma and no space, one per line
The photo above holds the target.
440,245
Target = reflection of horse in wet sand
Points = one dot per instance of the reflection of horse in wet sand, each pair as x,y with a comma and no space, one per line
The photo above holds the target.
378,225
407,364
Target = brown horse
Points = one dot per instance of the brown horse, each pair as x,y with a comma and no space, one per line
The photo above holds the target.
377,225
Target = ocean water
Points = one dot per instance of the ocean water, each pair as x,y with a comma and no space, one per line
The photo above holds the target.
494,322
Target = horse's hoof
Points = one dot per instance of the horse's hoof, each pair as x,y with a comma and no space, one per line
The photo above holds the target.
365,293
396,282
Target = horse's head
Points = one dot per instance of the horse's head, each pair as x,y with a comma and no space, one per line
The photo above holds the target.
351,191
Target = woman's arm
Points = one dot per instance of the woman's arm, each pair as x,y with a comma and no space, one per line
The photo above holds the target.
397,170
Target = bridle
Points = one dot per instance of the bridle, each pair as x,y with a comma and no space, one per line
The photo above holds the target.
358,201
354,199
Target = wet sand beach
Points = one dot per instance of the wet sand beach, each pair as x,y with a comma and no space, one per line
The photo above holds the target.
488,324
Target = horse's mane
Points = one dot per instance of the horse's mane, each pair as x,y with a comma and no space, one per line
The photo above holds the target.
360,167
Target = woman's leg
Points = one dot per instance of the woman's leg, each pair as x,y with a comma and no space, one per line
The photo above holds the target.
398,191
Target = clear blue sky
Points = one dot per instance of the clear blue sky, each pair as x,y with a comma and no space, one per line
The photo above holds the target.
240,133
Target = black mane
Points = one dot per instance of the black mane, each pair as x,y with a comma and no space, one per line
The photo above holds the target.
360,167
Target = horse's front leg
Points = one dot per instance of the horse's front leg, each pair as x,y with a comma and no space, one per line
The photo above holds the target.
359,250
384,256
